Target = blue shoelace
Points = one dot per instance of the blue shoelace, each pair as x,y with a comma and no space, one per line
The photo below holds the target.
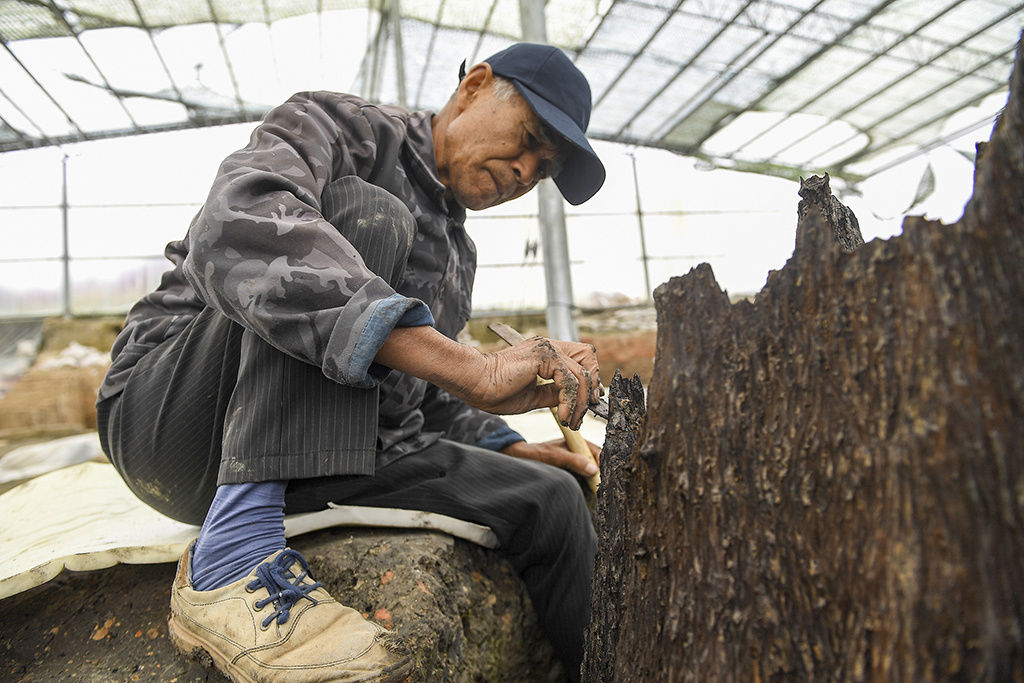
284,587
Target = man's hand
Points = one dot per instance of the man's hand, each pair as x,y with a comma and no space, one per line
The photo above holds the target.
508,384
556,453
503,381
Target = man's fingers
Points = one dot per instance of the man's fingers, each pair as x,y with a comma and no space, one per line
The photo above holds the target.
560,456
589,363
590,385
555,452
568,376
568,460
577,462
548,396
568,388
585,389
586,356
572,396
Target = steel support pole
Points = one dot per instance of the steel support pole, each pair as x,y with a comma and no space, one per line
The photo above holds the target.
561,320
643,236
65,257
557,276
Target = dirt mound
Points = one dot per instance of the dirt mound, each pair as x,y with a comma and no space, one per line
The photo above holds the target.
463,612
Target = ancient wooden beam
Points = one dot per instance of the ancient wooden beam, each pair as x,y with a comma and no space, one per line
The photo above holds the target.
829,481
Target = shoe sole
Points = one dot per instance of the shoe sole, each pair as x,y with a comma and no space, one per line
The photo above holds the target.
209,656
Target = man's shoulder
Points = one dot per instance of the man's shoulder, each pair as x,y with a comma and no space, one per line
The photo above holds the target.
358,121
354,105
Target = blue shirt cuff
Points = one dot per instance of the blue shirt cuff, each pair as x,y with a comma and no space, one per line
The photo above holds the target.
500,438
416,317
394,311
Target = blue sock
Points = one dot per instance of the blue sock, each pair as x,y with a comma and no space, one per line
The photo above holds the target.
245,525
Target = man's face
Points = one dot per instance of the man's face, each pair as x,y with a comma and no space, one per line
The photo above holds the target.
491,150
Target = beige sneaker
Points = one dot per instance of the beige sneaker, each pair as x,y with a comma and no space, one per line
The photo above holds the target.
278,625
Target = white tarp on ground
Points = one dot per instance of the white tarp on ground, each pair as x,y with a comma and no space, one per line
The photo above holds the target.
82,516
39,458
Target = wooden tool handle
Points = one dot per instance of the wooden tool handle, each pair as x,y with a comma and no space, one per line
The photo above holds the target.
577,444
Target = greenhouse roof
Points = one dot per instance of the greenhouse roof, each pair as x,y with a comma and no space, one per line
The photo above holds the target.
776,86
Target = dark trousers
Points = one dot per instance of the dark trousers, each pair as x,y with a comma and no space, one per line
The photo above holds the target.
217,404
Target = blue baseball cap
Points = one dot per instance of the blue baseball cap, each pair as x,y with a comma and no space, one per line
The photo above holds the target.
559,94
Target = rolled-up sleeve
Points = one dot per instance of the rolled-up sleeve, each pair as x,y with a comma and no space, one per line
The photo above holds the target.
500,439
261,252
385,315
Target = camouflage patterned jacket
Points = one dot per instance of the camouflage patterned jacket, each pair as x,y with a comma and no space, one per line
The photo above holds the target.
310,295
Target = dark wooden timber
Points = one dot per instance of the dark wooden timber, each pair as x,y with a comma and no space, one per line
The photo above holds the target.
828,484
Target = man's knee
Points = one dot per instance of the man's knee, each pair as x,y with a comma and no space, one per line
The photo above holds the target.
564,505
561,482
374,221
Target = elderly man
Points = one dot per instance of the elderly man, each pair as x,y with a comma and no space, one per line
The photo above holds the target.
301,352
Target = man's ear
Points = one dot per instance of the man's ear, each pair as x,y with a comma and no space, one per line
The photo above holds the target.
476,80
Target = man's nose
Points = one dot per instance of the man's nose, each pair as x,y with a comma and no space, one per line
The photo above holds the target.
527,168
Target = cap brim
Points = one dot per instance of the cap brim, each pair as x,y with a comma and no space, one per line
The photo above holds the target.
582,173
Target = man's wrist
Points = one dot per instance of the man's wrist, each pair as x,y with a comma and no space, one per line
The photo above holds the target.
426,353
500,439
